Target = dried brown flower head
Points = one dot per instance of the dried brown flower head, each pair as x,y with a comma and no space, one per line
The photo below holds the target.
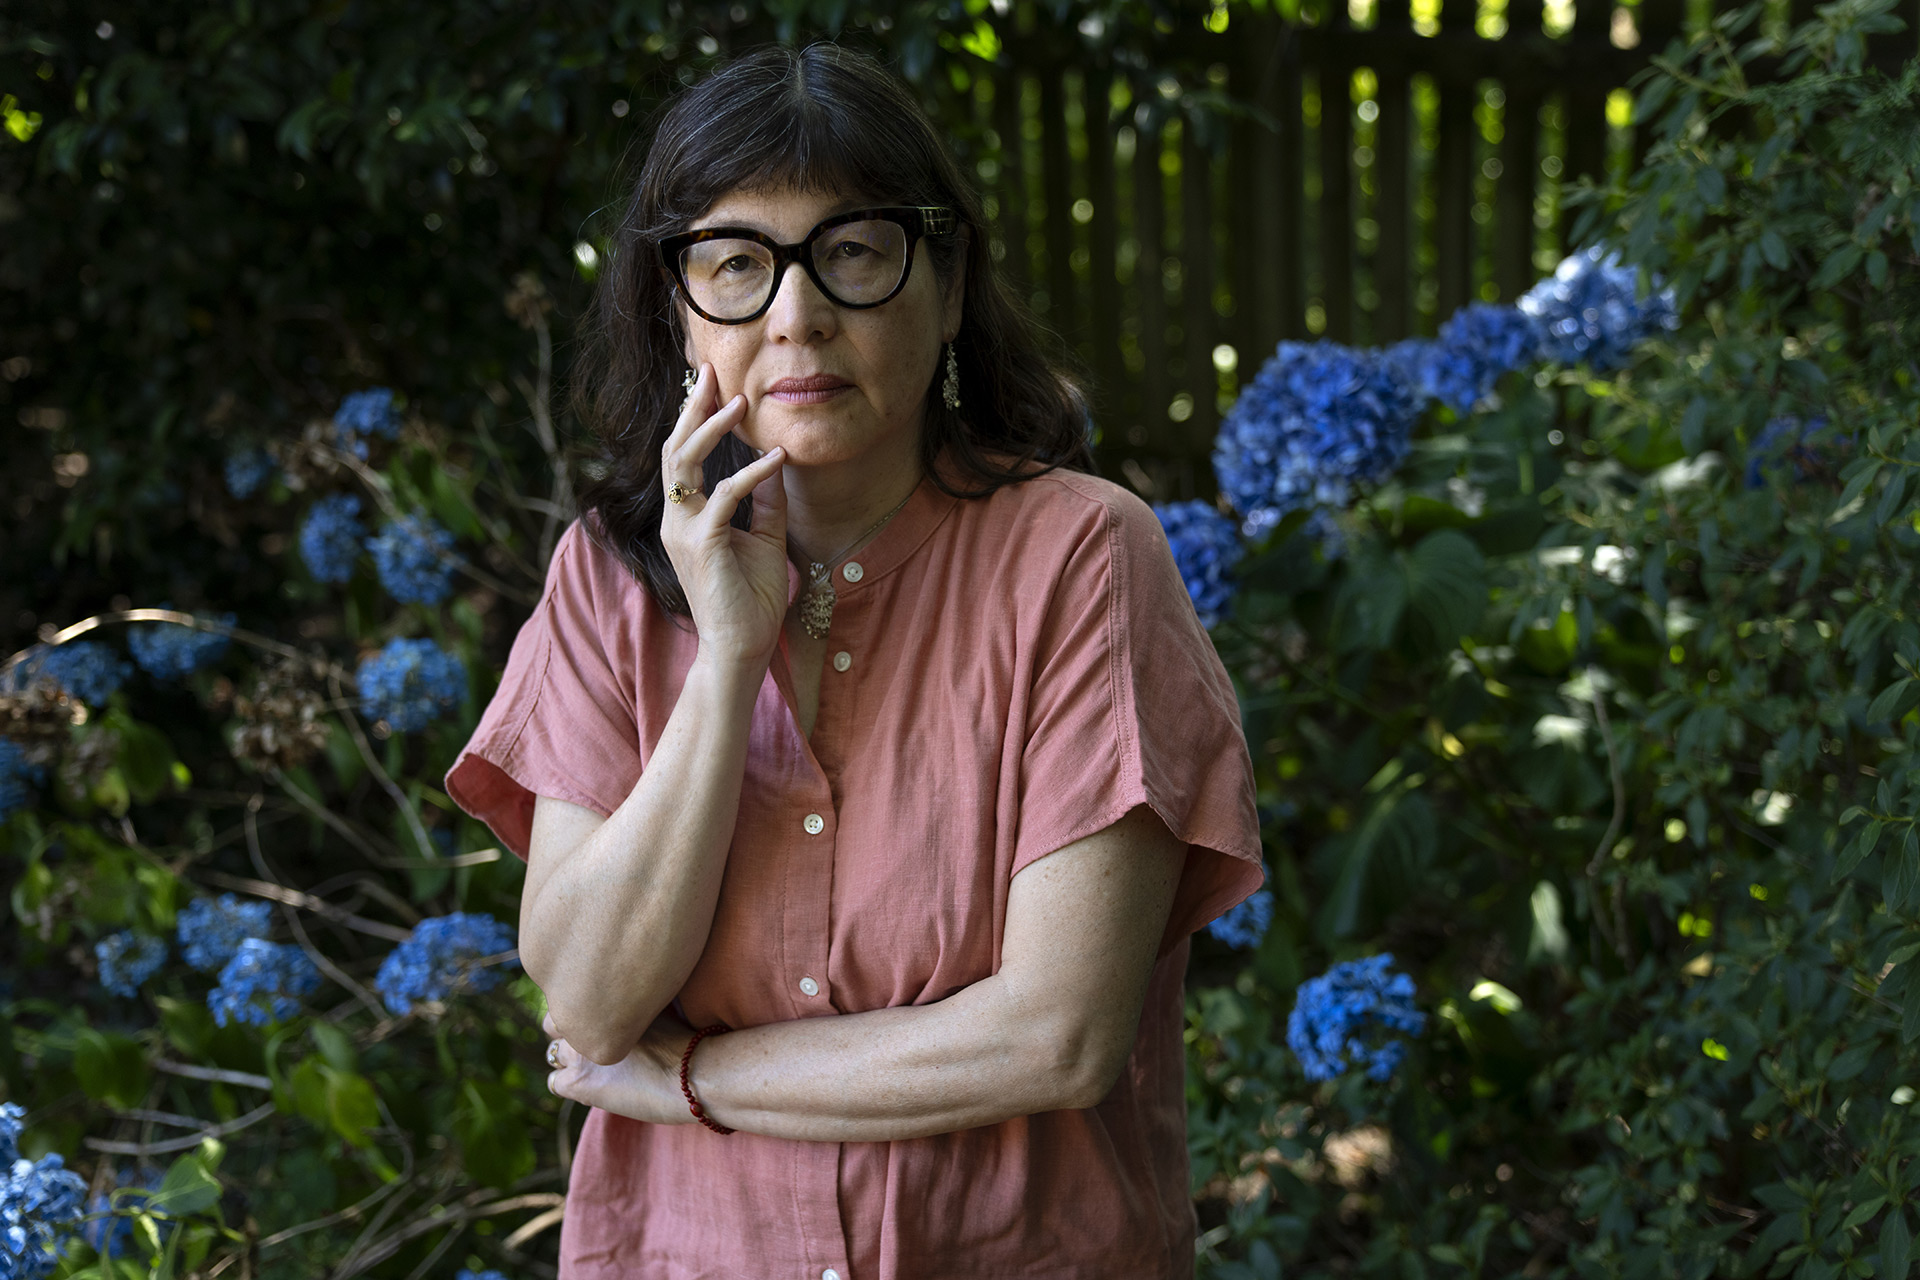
282,722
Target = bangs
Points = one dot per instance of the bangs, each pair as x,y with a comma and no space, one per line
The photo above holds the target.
795,120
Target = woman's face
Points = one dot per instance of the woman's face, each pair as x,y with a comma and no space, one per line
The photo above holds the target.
868,371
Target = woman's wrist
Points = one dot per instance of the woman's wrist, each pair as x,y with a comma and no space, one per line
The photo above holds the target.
733,680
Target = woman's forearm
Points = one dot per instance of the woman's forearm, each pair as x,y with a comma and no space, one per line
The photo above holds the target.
979,1057
616,923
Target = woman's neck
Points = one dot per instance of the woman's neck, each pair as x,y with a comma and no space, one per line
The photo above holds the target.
829,508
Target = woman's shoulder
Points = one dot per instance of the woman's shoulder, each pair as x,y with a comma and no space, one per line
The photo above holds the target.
586,566
1060,497
1065,510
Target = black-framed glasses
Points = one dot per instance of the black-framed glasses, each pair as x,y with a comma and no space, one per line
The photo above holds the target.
861,259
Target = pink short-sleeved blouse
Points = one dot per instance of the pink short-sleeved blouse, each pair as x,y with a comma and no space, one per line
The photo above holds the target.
1004,676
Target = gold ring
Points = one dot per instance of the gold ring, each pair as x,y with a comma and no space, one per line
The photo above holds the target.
553,1054
677,492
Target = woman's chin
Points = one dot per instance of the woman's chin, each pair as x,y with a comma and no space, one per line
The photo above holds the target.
813,438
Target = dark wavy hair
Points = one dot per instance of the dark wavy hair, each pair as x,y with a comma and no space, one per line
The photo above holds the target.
818,119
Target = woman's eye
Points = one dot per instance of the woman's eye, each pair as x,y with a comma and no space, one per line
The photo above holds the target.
850,249
737,263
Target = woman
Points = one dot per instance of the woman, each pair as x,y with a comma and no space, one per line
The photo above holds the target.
918,777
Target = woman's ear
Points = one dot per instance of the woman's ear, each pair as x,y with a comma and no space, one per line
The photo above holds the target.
953,303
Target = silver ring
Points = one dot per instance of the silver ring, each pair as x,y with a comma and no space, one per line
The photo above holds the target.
553,1054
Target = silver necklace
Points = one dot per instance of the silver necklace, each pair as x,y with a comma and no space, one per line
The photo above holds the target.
818,598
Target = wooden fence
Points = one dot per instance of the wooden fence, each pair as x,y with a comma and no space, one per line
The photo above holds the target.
1357,178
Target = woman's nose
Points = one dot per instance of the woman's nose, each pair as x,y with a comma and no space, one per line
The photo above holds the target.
800,312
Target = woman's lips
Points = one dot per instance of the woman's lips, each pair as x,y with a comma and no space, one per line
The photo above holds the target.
815,388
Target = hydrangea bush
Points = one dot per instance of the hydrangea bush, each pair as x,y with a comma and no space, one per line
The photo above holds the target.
1587,766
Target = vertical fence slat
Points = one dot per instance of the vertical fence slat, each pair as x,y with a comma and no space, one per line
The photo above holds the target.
1289,178
1196,273
1336,186
1056,187
1453,162
1149,229
1393,260
1109,368
1250,204
1018,265
1586,100
1515,193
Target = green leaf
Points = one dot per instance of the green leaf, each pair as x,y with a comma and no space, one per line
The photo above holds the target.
1901,875
1775,249
352,1106
111,1067
1446,588
1863,1211
1893,701
1863,843
1896,1245
189,1187
1863,474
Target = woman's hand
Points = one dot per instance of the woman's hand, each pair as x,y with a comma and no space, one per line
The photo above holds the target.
735,580
645,1085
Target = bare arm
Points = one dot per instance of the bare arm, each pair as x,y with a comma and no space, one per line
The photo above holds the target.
1050,1030
615,913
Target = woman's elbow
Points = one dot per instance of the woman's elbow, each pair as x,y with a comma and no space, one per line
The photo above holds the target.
1083,1059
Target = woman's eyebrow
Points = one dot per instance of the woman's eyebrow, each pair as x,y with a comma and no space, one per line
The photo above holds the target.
752,224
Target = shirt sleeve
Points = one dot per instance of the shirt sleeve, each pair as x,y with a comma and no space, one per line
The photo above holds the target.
1131,705
562,723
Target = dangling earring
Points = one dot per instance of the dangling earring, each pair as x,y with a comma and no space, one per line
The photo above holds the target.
686,384
950,389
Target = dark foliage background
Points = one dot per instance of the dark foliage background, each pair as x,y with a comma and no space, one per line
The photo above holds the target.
1599,716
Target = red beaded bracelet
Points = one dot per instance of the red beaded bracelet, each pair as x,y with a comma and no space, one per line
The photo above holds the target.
686,1086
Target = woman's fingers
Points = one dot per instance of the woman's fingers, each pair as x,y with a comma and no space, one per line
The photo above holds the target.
700,427
727,494
770,501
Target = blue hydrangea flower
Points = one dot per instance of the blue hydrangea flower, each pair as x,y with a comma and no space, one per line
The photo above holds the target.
19,777
465,1274
1206,548
1591,309
362,414
1318,419
415,558
1246,924
1479,345
40,1203
330,537
247,471
85,669
212,929
128,959
168,651
1784,439
438,959
1345,1018
410,683
263,983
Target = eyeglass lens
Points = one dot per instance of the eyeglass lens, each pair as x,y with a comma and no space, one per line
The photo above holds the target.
858,263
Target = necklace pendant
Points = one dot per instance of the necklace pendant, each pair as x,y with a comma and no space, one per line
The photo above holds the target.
816,604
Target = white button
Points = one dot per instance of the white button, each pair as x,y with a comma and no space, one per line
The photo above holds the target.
852,571
829,1274
842,660
814,824
808,987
